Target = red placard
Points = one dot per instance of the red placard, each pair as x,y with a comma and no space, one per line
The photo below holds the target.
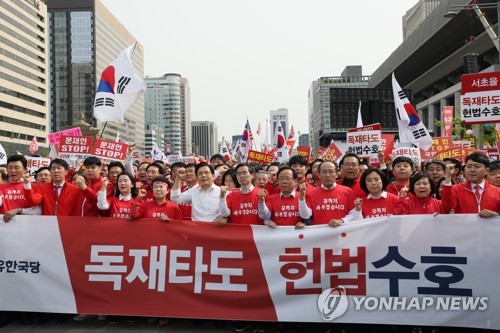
258,157
439,144
480,82
447,120
331,153
110,150
371,127
75,146
304,151
458,153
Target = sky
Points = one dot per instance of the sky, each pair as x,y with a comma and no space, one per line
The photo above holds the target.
245,58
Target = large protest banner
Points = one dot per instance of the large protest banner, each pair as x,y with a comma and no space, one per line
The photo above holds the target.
409,270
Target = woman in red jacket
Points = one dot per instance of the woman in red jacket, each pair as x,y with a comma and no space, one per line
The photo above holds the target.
160,207
120,204
377,202
422,201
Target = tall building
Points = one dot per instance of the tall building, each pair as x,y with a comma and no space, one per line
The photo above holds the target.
154,135
23,74
186,117
205,138
278,117
320,117
85,38
168,105
304,140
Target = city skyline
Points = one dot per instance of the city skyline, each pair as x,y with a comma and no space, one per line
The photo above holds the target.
243,61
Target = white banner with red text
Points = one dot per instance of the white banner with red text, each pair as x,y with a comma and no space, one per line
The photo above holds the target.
409,270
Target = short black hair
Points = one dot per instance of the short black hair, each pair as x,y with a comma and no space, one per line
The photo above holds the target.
58,161
383,177
177,165
286,167
91,161
478,158
163,180
116,164
435,161
250,169
217,157
403,159
41,169
232,174
297,159
349,155
415,178
201,165
494,165
161,169
454,161
18,158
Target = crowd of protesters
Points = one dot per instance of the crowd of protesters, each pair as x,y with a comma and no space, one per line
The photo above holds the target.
298,193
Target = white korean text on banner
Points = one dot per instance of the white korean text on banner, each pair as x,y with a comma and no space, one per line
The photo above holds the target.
406,270
480,98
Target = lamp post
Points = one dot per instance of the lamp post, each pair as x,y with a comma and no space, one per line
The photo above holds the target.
455,9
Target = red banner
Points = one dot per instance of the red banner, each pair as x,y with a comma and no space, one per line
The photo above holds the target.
447,118
439,144
458,153
110,150
258,157
304,151
331,153
75,146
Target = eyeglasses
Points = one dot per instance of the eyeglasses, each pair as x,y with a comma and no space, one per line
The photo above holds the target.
241,173
350,165
285,178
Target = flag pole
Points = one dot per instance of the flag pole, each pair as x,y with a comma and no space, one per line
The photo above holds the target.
102,132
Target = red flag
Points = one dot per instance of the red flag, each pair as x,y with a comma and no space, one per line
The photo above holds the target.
291,135
33,146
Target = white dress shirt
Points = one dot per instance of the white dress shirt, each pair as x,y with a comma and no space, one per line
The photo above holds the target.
204,203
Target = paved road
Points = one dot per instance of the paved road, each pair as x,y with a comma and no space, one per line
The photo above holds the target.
208,326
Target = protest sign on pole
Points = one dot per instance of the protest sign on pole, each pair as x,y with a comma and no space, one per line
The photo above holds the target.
110,150
75,146
480,98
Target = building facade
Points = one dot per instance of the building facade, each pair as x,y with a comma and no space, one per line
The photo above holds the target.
430,61
168,105
85,38
321,119
205,138
155,135
24,67
277,118
186,134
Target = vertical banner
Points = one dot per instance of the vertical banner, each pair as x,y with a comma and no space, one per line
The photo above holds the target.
447,117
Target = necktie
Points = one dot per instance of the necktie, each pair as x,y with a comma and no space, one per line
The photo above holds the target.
477,193
57,191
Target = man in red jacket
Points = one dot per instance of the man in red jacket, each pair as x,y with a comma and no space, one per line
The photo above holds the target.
58,197
93,177
475,195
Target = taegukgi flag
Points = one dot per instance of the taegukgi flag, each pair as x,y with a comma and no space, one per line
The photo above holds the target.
411,128
119,88
282,148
